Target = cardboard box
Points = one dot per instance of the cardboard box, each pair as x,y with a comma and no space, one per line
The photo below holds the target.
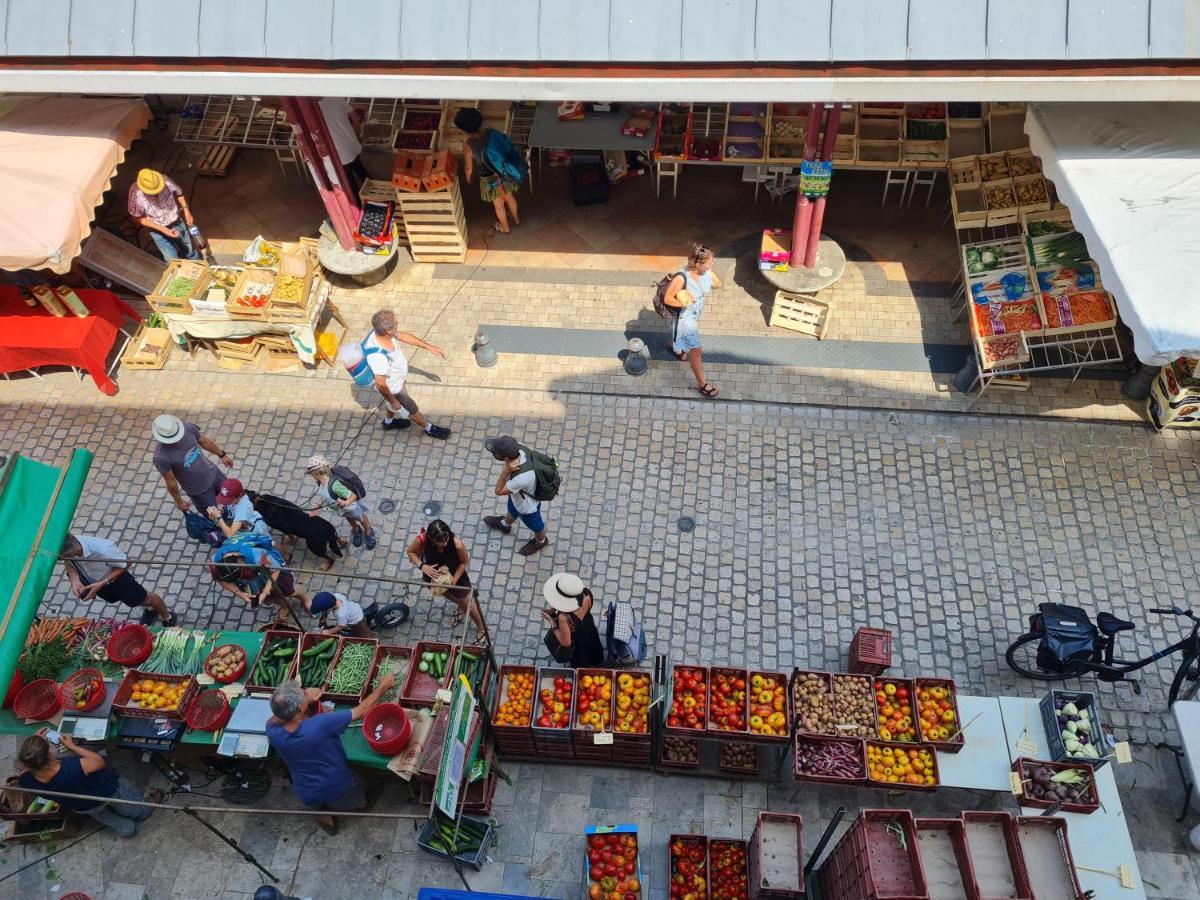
776,246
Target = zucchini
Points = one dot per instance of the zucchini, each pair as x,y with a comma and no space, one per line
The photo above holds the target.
318,649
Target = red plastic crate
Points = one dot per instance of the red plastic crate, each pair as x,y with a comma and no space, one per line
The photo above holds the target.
351,699
954,742
780,680
677,703
420,688
795,712
872,862
514,731
678,842
1007,878
905,786
716,847
273,639
726,763
952,869
734,674
905,698
642,735
1024,768
856,744
871,651
692,743
1047,881
764,867
122,703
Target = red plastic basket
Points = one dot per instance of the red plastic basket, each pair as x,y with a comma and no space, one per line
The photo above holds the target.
238,673
76,895
38,700
390,723
130,644
66,693
209,712
871,651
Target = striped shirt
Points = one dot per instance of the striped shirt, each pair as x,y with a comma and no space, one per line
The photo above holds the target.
161,208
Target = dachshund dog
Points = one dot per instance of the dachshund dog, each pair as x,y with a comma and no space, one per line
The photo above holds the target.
288,518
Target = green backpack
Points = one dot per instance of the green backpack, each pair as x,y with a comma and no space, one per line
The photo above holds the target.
545,473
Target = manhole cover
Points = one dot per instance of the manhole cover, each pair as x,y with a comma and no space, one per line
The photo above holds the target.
432,507
687,524
387,506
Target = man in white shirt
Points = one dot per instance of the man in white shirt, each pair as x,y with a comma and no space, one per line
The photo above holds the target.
518,482
389,365
337,611
339,119
98,568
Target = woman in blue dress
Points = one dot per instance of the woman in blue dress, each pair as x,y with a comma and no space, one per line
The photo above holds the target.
687,293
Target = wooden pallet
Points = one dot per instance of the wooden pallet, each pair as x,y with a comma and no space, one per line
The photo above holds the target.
436,225
801,312
217,160
149,349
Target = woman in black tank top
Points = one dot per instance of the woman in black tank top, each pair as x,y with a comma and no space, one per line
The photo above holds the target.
436,550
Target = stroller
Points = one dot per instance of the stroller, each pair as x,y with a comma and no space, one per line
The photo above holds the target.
624,641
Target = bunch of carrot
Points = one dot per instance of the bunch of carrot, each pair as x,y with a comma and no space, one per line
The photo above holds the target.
45,630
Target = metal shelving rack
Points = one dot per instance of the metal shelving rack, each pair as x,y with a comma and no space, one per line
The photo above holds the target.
251,123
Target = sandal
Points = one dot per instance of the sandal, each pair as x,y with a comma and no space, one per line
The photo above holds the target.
457,618
496,228
709,391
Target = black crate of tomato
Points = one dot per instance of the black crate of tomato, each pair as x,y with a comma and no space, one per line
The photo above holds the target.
375,223
687,716
276,660
938,719
687,866
351,668
767,706
151,695
428,671
591,720
552,714
727,701
830,760
728,869
316,656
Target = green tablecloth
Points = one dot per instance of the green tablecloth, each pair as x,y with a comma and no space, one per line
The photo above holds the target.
357,750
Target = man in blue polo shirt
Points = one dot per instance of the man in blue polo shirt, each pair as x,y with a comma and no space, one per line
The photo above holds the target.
311,748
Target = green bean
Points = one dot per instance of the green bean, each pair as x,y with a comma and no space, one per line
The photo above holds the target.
352,669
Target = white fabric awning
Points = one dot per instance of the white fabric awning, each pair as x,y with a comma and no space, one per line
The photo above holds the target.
1130,174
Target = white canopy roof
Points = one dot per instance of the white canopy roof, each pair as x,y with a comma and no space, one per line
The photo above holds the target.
1130,174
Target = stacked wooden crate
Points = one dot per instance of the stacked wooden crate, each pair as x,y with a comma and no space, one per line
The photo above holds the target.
385,192
436,225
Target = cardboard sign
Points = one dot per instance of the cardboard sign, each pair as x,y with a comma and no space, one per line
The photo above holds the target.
602,737
443,695
1026,747
1014,781
454,751
1122,752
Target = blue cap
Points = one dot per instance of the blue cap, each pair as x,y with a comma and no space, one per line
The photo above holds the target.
323,602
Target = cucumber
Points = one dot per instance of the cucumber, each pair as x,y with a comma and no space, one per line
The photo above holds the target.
318,649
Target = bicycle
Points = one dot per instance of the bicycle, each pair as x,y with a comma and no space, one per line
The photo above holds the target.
1062,642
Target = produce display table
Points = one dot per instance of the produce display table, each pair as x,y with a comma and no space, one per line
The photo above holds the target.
31,337
983,763
1099,840
598,131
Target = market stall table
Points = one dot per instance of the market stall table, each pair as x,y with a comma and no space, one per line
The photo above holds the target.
596,131
983,762
1099,840
32,337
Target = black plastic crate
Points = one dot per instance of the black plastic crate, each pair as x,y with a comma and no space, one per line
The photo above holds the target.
1097,736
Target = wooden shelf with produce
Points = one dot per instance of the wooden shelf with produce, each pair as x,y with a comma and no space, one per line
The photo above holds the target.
787,125
674,131
496,114
706,142
926,144
746,132
419,126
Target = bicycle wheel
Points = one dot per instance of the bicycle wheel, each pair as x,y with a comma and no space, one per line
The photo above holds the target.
391,616
1187,679
1021,657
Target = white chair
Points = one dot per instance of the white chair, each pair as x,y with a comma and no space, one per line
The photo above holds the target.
756,175
666,168
926,178
785,179
898,177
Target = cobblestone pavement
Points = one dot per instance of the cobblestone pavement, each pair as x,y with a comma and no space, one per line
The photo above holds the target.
810,523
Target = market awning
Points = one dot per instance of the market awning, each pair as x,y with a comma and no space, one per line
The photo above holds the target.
57,157
37,504
1130,174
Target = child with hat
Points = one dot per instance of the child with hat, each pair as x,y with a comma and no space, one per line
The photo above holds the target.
344,612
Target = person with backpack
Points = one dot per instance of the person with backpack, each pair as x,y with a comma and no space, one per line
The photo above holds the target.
502,167
249,566
389,368
527,479
340,487
684,297
572,638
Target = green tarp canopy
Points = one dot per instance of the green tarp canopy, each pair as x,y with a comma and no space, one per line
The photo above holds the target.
37,504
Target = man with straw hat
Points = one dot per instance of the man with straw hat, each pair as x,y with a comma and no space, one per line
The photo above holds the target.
157,204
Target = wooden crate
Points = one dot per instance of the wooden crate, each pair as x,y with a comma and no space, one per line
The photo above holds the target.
801,312
1006,127
1044,300
964,170
251,277
968,206
881,109
149,349
925,154
966,137
182,268
1033,194
1000,213
1023,162
991,357
878,153
239,349
1058,215
993,166
436,225
875,129
217,160
1011,254
378,191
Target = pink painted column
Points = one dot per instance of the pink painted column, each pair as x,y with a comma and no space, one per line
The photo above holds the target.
803,217
833,119
317,148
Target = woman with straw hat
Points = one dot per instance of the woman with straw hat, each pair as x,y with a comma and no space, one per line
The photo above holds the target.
572,638
157,204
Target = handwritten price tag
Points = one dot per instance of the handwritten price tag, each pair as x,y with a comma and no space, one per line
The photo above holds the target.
444,695
1122,752
205,678
1125,873
602,737
1026,747
1014,781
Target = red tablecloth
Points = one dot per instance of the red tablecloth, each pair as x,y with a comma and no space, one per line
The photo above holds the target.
32,337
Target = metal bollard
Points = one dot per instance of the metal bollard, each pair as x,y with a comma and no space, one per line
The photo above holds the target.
637,359
485,353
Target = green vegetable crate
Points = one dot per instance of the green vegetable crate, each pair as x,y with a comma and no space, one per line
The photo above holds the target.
350,673
421,687
474,837
317,652
386,651
276,660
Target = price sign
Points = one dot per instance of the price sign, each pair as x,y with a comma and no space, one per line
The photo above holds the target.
1014,781
602,737
1122,752
205,679
1026,747
1125,873
444,695
815,175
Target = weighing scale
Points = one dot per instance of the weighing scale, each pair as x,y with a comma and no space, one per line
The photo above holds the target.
92,726
246,733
